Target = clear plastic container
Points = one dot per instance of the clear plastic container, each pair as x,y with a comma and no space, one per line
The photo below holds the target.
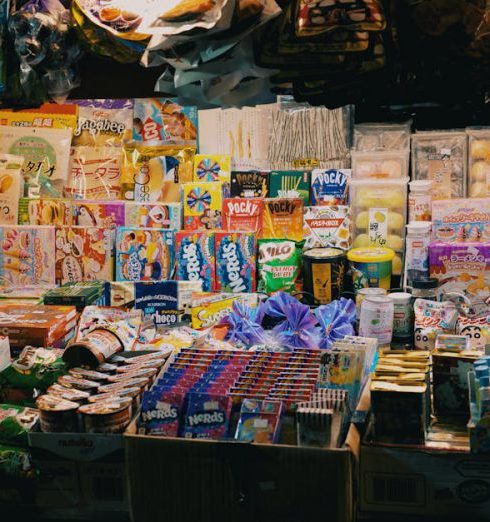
441,157
379,208
382,136
420,200
380,164
479,162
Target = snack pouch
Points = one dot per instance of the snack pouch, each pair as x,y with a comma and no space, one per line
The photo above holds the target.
330,187
11,188
252,184
103,214
279,263
15,423
476,329
202,204
195,258
431,319
94,173
15,462
207,416
46,157
235,261
154,215
212,167
47,116
45,211
283,218
151,174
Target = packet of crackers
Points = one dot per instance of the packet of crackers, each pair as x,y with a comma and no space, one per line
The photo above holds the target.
154,174
244,214
328,227
283,218
107,214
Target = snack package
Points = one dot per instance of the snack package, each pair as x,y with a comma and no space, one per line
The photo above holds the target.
103,214
26,255
260,421
16,462
16,422
102,122
94,173
208,308
163,120
144,254
431,319
195,258
441,157
382,136
330,187
283,218
84,254
253,184
479,162
244,214
461,220
380,164
235,262
119,293
11,188
161,412
290,184
159,301
154,174
212,167
154,215
46,157
476,329
327,227
202,204
207,416
279,265
45,211
47,116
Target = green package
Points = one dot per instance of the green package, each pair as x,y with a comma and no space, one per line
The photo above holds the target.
290,184
15,462
279,263
16,422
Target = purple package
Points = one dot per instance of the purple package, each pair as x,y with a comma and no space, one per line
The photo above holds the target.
110,214
207,416
160,413
463,268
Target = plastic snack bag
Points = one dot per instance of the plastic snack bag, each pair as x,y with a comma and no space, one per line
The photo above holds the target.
431,319
279,265
11,188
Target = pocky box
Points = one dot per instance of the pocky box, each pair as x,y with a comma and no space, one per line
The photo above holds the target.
290,184
329,187
154,215
327,227
195,258
212,167
44,211
202,203
252,184
283,218
243,214
144,254
84,254
26,255
235,261
107,214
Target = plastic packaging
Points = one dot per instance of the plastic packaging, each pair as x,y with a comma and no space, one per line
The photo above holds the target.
336,321
417,252
376,320
380,164
371,267
420,200
382,136
479,162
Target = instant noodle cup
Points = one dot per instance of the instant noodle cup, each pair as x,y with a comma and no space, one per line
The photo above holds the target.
371,267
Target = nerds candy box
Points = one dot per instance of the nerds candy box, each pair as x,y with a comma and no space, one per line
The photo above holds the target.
235,262
195,258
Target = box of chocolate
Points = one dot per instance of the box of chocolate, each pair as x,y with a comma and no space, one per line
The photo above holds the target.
202,205
195,258
154,215
252,184
290,184
235,262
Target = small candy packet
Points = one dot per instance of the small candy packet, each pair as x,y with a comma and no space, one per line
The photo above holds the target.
207,416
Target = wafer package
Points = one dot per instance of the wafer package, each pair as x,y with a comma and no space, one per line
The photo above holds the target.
195,258
235,261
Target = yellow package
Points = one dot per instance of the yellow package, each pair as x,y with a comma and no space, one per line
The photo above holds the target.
209,308
202,205
212,167
283,218
151,174
44,211
47,116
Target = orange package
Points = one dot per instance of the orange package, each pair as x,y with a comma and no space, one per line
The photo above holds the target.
283,219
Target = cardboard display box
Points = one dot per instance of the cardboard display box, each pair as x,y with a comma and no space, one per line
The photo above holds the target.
172,479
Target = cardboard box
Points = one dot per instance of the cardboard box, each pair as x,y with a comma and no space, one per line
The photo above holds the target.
187,480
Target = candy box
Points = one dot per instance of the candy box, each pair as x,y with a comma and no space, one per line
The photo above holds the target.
283,218
207,416
144,254
327,227
212,167
79,294
235,261
159,301
195,258
202,205
26,255
463,268
290,184
45,211
84,254
329,187
461,220
243,214
253,184
154,215
259,421
109,214
161,413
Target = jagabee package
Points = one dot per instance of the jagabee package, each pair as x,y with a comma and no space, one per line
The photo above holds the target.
26,255
283,218
329,187
44,211
46,157
202,204
235,261
279,265
103,122
154,174
328,227
163,120
195,258
244,214
108,214
84,254
253,184
290,184
144,254
11,188
94,173
154,215
212,167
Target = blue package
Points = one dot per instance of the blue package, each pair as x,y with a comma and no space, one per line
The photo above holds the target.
159,301
206,416
195,261
329,187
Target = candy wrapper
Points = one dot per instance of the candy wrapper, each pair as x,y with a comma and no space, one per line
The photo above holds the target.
16,462
144,254
279,265
327,227
163,120
103,123
476,329
243,214
159,301
161,412
45,211
431,319
16,422
253,184
283,218
94,173
202,204
153,174
290,184
244,324
195,258
207,416
46,157
84,254
211,167
11,188
26,255
330,187
154,215
98,214
336,321
235,262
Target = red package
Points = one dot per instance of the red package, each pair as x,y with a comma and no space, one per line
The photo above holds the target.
243,214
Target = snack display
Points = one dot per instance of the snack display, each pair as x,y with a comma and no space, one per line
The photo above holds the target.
478,162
